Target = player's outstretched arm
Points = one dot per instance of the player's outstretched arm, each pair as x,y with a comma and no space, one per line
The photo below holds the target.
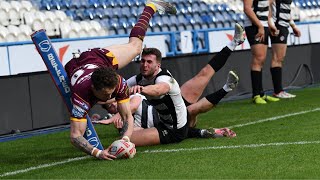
126,115
77,130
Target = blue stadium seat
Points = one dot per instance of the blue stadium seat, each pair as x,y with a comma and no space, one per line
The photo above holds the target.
132,21
93,3
99,13
71,14
108,12
89,14
125,11
75,4
79,15
65,4
134,11
45,5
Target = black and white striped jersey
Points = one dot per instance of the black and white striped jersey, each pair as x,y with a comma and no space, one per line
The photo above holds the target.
281,12
171,108
145,116
261,9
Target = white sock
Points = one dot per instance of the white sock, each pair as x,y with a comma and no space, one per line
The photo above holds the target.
232,45
226,88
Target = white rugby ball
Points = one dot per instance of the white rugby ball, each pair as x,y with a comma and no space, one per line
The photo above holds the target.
122,149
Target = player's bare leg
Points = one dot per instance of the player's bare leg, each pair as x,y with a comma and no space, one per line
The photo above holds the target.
210,101
145,137
125,53
193,89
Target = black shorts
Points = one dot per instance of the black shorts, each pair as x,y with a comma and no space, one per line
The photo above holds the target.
251,32
169,135
282,37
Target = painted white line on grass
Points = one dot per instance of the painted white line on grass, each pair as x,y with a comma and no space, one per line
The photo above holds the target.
43,166
231,147
165,151
275,118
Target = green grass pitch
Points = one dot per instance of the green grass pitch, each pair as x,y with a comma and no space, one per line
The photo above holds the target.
275,141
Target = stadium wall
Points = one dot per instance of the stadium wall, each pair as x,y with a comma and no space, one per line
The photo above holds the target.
30,101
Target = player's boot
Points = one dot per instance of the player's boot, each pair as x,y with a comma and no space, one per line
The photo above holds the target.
239,34
163,6
258,100
270,98
284,95
218,133
232,80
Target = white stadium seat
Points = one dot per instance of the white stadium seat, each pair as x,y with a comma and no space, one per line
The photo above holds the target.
39,20
4,13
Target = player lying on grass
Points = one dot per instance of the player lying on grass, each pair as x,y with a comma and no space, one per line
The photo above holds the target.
163,92
146,116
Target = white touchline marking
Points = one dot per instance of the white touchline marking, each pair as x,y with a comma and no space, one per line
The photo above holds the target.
275,118
188,149
231,147
43,166
166,151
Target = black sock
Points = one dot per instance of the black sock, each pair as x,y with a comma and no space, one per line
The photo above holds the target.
215,97
256,82
218,61
276,73
194,133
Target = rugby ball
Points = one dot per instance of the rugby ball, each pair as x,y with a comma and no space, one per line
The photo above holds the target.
122,149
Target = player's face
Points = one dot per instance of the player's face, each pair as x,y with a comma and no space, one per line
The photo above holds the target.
149,66
103,94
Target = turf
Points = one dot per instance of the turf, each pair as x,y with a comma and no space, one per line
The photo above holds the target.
285,148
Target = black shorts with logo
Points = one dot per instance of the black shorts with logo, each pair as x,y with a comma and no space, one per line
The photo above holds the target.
282,37
251,32
169,135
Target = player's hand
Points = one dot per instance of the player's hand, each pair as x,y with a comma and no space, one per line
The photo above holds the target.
273,30
296,31
106,156
117,121
136,89
260,35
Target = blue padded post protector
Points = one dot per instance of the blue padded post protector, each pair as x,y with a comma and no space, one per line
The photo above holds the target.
61,80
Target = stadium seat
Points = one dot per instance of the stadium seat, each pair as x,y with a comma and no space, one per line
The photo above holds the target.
26,5
60,15
4,13
6,35
3,33
93,3
88,14
71,14
15,31
38,22
25,29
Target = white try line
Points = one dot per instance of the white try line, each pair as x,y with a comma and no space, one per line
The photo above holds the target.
188,149
275,118
165,151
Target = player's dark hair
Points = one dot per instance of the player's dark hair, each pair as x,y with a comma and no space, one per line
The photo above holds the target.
104,77
154,51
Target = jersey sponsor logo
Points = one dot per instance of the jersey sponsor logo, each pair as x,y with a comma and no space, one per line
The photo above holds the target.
164,132
161,106
45,46
84,78
165,117
82,104
78,112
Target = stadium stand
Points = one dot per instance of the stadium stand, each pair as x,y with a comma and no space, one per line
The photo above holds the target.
118,16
